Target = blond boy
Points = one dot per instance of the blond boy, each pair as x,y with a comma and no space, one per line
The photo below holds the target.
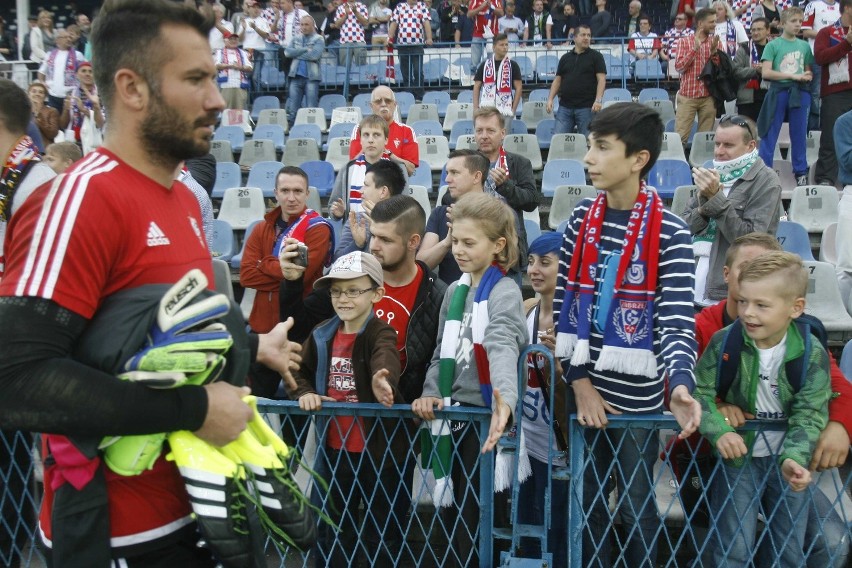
62,155
771,464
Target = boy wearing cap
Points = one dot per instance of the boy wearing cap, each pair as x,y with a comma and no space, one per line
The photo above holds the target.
235,67
351,357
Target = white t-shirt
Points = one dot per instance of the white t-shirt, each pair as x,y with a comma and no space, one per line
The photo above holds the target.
819,14
767,402
216,39
252,39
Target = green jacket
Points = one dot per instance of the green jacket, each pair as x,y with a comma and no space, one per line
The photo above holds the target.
807,410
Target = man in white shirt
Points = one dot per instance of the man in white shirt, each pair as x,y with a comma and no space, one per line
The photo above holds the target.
510,24
58,70
221,27
253,31
818,14
235,67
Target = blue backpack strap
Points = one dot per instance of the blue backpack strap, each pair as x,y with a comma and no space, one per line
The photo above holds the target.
729,358
797,368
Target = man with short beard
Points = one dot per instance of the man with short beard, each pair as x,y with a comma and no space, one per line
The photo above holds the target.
118,222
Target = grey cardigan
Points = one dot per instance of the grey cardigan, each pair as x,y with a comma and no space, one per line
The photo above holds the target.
753,204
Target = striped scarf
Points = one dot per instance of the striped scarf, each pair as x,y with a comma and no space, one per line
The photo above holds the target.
623,308
497,85
490,187
439,435
357,172
70,72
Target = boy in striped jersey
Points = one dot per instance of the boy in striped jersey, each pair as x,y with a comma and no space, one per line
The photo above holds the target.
625,324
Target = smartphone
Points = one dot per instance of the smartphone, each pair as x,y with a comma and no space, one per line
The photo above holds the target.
302,258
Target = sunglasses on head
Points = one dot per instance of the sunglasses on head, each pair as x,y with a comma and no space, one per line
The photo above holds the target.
738,120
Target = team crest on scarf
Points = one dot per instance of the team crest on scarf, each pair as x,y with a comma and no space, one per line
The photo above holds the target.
497,85
630,320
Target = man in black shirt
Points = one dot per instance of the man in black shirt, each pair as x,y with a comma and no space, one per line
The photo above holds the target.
580,80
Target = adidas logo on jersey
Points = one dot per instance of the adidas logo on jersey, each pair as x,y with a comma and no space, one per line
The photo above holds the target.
156,236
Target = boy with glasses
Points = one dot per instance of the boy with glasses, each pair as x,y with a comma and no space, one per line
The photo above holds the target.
737,196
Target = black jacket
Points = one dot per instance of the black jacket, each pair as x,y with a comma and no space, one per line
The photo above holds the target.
718,74
420,339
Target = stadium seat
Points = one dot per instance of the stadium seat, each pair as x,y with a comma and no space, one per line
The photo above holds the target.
305,130
222,240
237,259
345,115
331,101
664,107
441,99
362,101
434,150
617,94
460,128
534,216
221,150
784,169
567,147
794,238
271,79
237,117
274,116
263,102
812,148
427,128
544,133
320,176
653,93
272,132
421,195
703,145
465,96
338,152
539,94
824,301
262,175
534,112
561,172
422,175
242,205
421,111
441,192
404,100
565,199
527,146
455,112
518,126
227,175
222,277
545,67
466,141
298,150
814,207
648,70
846,360
314,201
527,68
532,229
434,73
672,148
257,151
311,115
339,130
667,174
232,134
683,194
828,244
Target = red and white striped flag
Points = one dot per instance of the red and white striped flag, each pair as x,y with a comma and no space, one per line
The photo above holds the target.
390,71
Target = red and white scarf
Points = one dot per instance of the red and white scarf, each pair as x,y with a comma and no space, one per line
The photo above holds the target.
70,67
390,67
232,57
497,85
490,187
838,71
296,230
628,339
357,172
23,154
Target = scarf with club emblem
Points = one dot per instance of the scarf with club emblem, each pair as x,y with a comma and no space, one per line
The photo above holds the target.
624,309
438,437
497,85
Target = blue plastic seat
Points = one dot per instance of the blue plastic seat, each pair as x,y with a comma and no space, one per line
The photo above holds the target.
422,176
233,134
794,238
440,99
339,130
222,240
545,67
262,175
667,175
653,94
518,126
617,94
404,99
434,73
262,103
544,132
274,132
331,101
227,175
460,128
320,175
362,101
647,70
561,172
527,69
428,128
307,131
539,94
465,96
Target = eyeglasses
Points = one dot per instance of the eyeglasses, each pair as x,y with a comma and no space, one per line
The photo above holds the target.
380,101
351,293
738,120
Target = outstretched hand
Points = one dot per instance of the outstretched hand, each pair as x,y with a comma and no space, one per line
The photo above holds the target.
381,388
499,419
686,410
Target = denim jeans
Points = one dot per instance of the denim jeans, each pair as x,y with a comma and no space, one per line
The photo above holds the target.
798,132
477,53
629,455
411,63
567,118
257,63
816,101
531,511
352,53
297,88
736,502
